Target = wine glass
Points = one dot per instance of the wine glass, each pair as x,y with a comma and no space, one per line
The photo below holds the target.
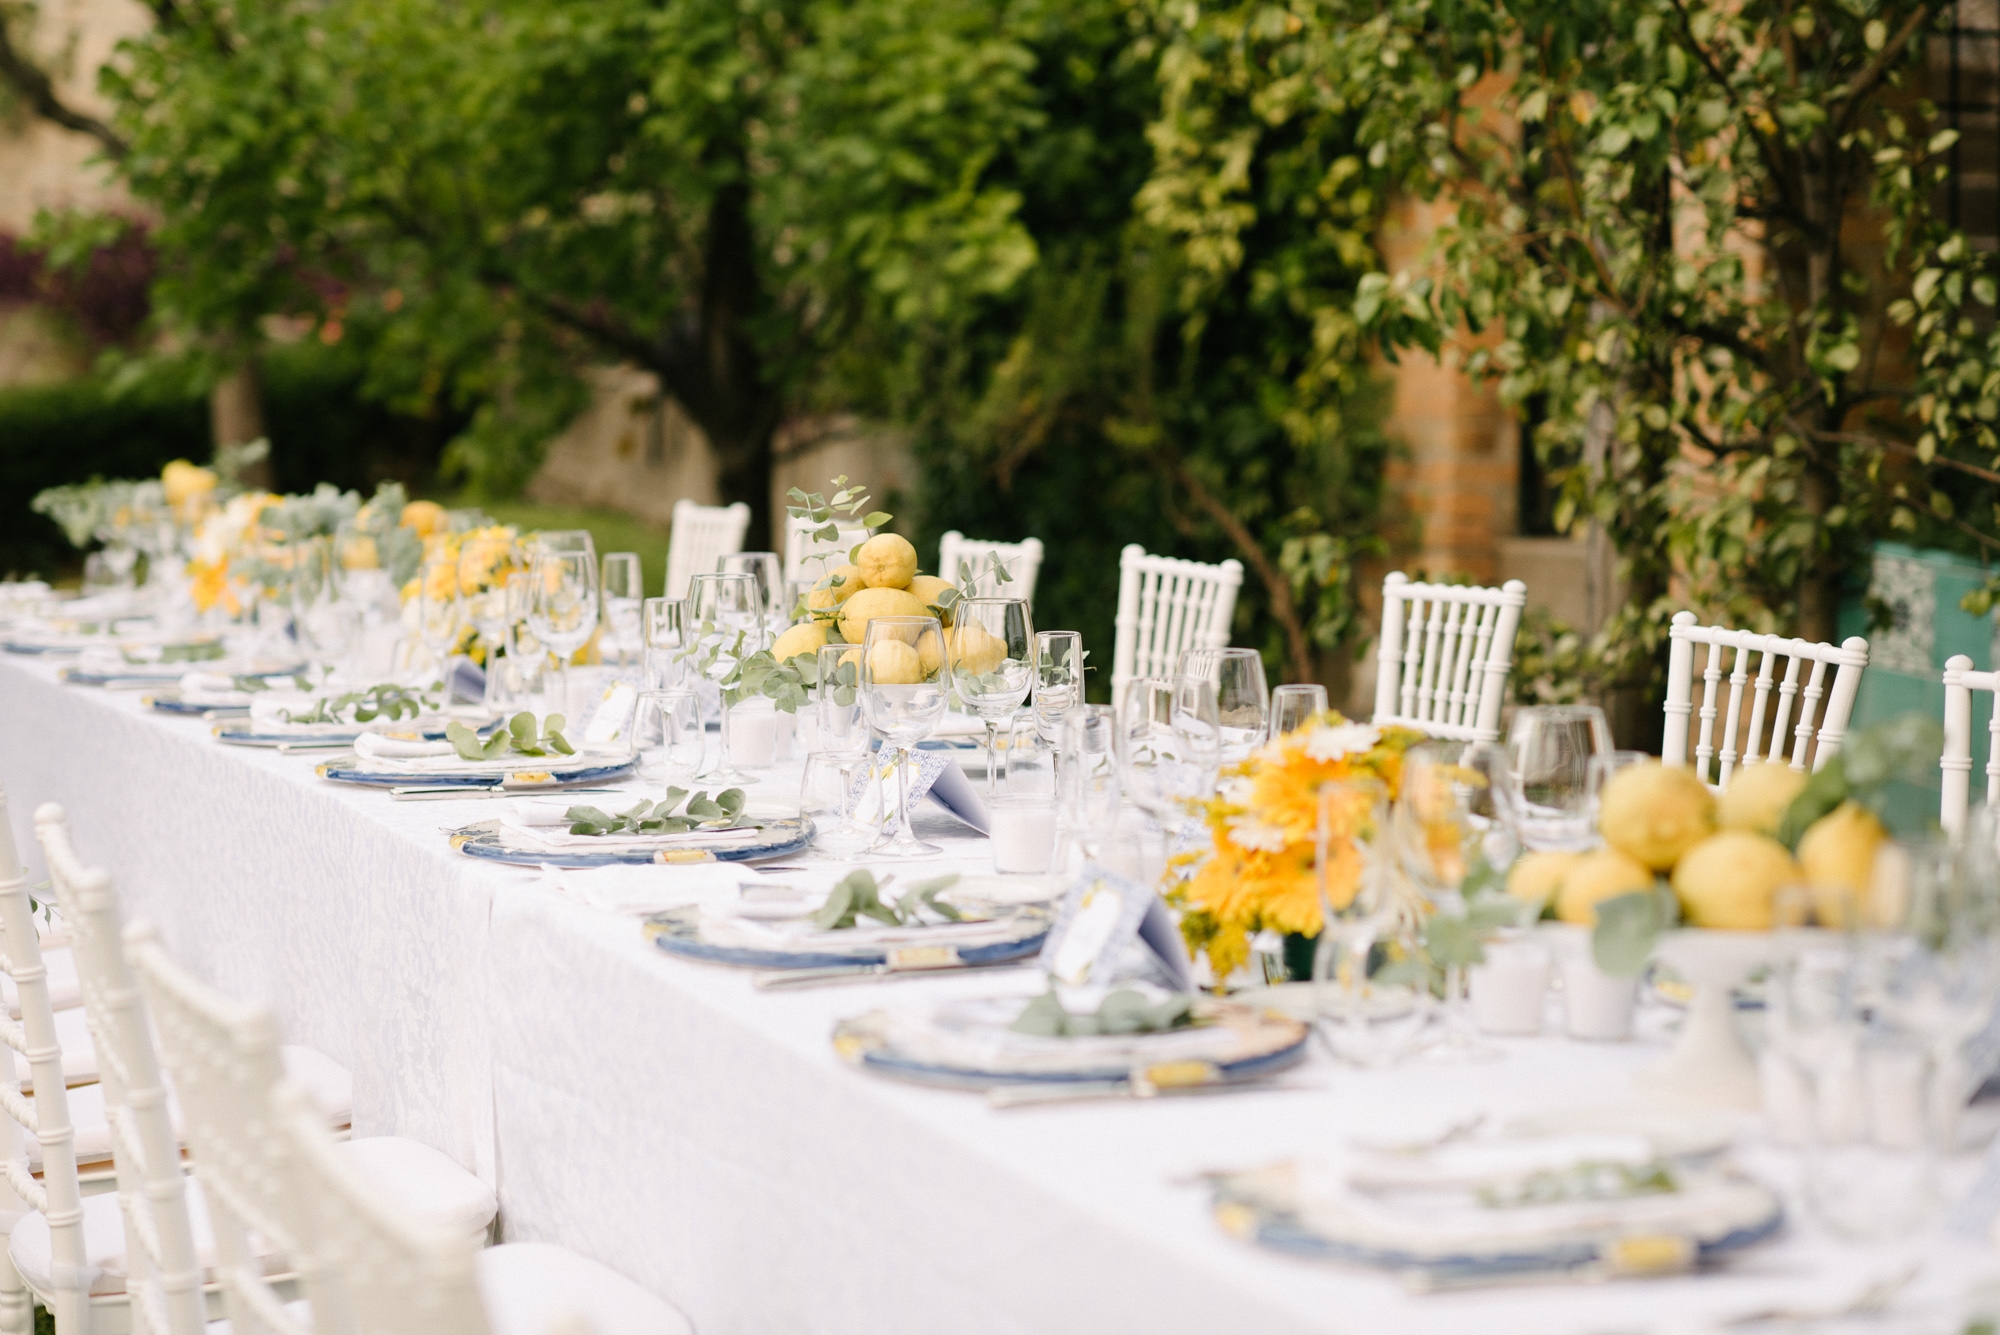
1551,747
992,666
1087,787
527,657
327,625
1354,869
1437,838
796,606
1242,695
665,626
905,681
439,610
729,626
768,571
841,741
562,609
563,540
622,591
1294,706
668,736
1058,686
1167,747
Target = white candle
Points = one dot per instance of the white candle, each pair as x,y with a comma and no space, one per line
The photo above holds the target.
1023,833
1510,987
1599,1004
753,734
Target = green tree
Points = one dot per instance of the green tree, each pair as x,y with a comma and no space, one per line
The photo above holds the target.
1686,230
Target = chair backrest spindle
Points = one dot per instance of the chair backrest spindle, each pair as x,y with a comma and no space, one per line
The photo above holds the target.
1817,731
1022,560
1166,606
1444,657
701,536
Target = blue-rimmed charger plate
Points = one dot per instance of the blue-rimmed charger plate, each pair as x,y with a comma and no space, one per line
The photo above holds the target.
1711,1213
678,932
783,837
1265,1043
530,777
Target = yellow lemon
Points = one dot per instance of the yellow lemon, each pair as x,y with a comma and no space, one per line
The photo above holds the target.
1757,797
1601,874
926,589
865,606
930,652
893,663
1729,880
887,561
426,517
1656,812
187,487
1536,877
976,650
803,639
840,584
1837,853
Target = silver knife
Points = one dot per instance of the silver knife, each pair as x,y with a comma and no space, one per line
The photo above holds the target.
786,979
412,793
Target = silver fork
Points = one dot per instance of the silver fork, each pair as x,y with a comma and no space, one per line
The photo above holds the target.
1871,1301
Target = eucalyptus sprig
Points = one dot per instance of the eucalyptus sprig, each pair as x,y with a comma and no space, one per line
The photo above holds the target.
968,583
1589,1180
859,896
198,651
667,816
846,506
748,675
519,735
386,701
1125,1011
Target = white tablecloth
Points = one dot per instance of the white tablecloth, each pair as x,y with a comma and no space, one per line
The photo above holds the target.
667,1119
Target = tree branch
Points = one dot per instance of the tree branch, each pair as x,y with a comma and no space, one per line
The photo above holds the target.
1872,73
39,93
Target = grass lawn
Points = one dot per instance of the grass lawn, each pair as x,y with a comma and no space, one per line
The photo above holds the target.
611,530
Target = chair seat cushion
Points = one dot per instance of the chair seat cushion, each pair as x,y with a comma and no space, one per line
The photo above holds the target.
529,1287
426,1183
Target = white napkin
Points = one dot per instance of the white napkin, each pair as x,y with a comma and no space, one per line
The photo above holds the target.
555,836
649,889
268,710
383,746
212,688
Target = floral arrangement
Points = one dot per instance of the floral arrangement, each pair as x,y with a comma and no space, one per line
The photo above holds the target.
1263,825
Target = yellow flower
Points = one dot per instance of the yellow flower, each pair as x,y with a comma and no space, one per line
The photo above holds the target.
426,517
1264,827
358,553
212,586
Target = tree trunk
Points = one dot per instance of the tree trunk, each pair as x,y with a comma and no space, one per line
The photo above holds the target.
1819,584
236,416
714,369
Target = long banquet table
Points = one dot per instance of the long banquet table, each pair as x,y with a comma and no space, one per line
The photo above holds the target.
667,1119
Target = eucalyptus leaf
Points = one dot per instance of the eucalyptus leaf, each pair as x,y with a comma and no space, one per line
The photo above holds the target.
1628,926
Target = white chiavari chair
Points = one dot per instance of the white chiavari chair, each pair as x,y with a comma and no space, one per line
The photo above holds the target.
1023,562
224,1057
370,1270
1446,649
1803,684
702,535
1960,681
808,556
53,1204
1167,605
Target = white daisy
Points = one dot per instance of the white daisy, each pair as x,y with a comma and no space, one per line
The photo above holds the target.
1325,744
1250,833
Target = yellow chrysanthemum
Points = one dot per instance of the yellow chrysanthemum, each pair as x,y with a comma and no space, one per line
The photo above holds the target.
211,585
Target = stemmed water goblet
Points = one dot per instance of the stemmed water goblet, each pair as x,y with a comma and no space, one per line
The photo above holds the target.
562,609
1437,837
840,745
668,737
1550,747
1295,706
905,682
728,625
623,591
992,658
1355,869
668,641
1058,686
1242,695
768,571
1167,748
527,658
439,612
327,624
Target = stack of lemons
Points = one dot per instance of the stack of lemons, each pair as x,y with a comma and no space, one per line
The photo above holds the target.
1720,855
882,581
